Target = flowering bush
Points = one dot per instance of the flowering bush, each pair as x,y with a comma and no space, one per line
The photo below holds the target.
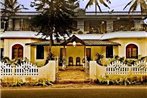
122,80
99,58
29,82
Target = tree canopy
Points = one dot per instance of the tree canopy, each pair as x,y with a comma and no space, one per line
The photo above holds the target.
132,3
135,3
98,3
11,7
55,18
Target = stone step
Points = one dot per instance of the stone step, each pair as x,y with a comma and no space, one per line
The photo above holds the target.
75,76
72,81
72,68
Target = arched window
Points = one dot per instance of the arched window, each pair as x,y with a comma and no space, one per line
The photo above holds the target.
17,51
131,51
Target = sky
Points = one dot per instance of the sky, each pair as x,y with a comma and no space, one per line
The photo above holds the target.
117,5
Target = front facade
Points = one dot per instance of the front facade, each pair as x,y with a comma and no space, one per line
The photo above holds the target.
108,34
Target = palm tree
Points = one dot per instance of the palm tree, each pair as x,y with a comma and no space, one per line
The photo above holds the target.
135,3
97,4
11,7
55,18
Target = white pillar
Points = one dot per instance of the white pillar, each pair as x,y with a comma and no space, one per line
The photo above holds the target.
52,70
21,24
92,70
80,25
138,24
10,24
27,52
48,71
109,25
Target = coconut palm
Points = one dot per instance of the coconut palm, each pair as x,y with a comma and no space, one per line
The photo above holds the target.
11,7
97,4
135,3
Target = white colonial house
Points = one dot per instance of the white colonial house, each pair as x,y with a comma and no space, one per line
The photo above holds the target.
109,34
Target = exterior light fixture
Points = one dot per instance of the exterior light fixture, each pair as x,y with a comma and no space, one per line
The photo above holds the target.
29,18
103,22
74,43
118,18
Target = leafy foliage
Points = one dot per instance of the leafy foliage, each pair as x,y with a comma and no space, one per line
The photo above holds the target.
11,7
98,3
55,18
17,61
121,80
99,58
29,82
135,3
127,61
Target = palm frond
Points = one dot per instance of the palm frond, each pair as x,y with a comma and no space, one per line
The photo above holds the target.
91,2
102,2
108,1
133,7
127,5
11,7
143,4
97,4
134,3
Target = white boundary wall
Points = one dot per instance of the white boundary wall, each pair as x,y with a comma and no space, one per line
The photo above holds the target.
117,68
28,70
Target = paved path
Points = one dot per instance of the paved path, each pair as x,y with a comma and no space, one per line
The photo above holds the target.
72,75
97,92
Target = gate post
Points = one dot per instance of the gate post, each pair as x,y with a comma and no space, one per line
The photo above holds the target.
52,71
92,70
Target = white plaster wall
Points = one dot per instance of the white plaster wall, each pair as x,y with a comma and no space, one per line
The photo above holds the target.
8,43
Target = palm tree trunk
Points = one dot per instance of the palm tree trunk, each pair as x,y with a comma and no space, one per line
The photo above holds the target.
64,55
51,43
64,48
49,57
